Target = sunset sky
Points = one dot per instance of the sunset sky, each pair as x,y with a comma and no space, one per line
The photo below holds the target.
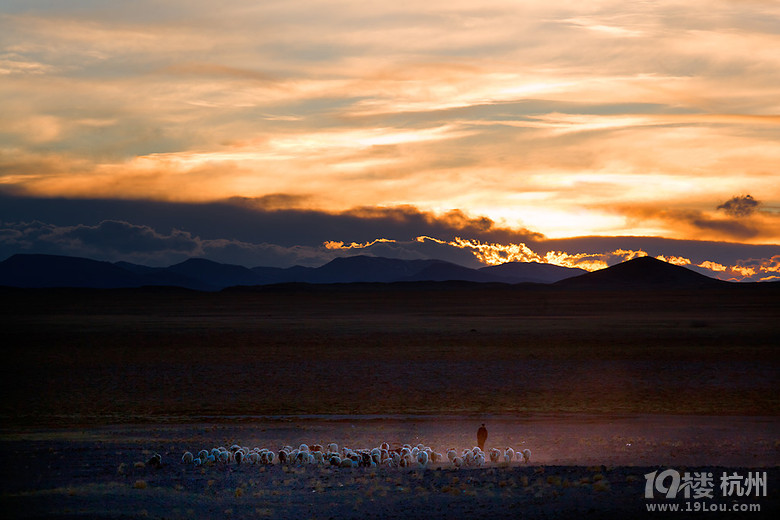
282,132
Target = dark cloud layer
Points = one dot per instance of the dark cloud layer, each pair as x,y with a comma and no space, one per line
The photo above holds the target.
114,240
243,231
108,240
257,220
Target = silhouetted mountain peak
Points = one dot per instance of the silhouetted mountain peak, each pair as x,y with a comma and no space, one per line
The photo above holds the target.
640,273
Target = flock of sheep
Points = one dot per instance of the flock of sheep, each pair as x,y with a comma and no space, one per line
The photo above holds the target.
406,456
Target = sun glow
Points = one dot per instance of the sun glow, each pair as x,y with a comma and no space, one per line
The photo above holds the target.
475,106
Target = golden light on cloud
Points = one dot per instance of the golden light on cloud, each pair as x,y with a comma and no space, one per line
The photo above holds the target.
491,253
664,111
714,266
675,260
340,245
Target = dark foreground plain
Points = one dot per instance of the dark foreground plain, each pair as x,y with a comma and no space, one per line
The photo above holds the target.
100,472
81,364
97,356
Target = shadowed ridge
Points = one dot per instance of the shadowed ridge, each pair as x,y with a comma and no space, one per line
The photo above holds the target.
162,276
364,268
214,273
36,270
533,272
641,273
440,271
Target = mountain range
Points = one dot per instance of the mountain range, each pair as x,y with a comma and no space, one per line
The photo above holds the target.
35,270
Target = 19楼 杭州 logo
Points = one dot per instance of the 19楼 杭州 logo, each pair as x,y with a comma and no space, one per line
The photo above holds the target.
701,484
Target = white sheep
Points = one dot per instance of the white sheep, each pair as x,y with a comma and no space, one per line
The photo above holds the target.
284,456
451,454
396,458
407,456
468,457
509,454
422,458
479,460
302,457
495,455
527,455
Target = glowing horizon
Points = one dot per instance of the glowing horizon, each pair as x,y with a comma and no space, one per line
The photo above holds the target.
492,254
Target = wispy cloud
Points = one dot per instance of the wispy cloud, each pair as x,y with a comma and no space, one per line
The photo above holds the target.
668,107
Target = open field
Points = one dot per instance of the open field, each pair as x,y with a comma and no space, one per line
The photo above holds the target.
114,356
598,383
592,465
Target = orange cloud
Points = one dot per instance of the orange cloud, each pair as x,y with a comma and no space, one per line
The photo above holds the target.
495,253
765,269
479,106
676,260
331,244
713,266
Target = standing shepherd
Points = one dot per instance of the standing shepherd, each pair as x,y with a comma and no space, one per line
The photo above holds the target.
481,437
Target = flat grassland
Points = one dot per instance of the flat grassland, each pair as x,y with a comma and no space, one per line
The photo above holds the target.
602,386
135,355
